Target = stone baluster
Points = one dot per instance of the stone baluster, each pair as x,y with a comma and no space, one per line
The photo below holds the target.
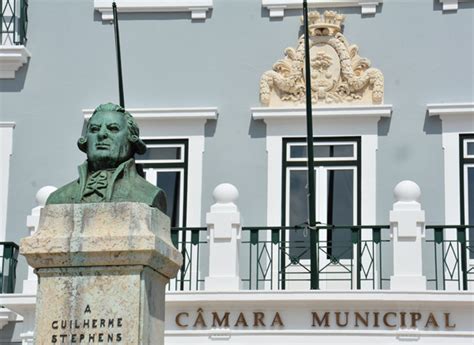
407,224
224,230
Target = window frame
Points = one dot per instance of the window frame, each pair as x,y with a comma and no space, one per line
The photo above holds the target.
355,164
169,165
465,162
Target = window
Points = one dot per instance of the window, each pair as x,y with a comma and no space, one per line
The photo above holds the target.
466,149
337,175
165,165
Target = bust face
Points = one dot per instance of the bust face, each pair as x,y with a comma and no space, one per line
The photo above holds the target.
107,141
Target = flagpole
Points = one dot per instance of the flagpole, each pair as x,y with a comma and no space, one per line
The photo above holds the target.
313,233
119,59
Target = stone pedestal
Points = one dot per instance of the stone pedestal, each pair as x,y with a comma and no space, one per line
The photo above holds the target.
224,230
407,223
102,271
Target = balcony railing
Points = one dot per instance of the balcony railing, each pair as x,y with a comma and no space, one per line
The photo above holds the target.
13,21
10,252
192,244
453,256
270,261
275,261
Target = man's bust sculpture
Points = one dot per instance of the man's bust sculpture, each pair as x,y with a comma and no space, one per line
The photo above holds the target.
110,174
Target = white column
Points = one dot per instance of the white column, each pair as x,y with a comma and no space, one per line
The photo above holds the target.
407,225
30,284
224,228
6,147
32,221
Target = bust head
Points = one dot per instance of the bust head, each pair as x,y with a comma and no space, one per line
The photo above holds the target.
112,137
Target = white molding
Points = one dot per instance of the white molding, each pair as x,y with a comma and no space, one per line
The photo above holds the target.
11,59
209,113
6,150
6,316
7,124
295,308
328,121
375,111
178,123
277,7
446,109
303,297
198,8
456,118
451,5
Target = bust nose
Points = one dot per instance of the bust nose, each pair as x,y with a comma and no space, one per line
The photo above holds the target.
102,133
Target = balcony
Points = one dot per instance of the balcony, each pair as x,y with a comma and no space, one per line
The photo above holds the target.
13,28
269,261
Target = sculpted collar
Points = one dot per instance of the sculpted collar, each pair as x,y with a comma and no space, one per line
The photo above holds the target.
124,170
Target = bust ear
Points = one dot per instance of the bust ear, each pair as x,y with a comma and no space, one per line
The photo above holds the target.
82,144
138,144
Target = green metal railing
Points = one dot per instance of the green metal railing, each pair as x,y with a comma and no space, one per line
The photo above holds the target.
275,262
190,241
13,21
10,252
451,251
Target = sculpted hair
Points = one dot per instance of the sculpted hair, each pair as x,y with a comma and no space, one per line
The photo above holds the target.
134,133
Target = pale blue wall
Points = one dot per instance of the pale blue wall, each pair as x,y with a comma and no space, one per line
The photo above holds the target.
169,61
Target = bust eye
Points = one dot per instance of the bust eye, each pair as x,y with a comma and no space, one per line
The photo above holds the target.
113,128
93,129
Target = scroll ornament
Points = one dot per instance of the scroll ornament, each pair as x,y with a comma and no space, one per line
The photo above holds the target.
338,73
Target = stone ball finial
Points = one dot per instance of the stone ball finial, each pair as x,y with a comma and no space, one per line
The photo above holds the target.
407,191
43,194
225,193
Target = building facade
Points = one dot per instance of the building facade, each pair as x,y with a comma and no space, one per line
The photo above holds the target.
217,87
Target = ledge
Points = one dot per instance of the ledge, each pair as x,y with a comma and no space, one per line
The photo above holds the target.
11,59
167,113
365,111
7,316
451,5
8,124
443,109
277,7
198,8
460,298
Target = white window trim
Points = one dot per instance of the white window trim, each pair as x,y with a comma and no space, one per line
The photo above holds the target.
6,150
178,123
328,121
456,118
198,8
12,57
451,5
277,7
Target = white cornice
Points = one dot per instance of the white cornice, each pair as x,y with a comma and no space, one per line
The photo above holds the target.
8,124
209,113
277,7
11,59
447,109
198,8
364,111
451,5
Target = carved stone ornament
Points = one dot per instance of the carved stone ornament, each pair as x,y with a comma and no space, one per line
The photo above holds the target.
338,73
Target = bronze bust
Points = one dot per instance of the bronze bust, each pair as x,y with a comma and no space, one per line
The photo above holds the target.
109,174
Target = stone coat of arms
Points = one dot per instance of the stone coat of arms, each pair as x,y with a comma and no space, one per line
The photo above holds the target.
338,73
